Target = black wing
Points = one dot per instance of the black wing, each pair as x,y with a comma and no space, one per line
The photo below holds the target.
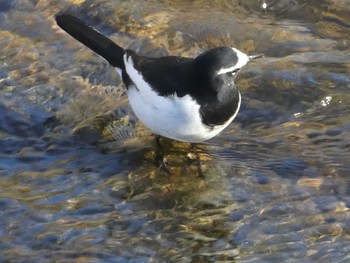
168,75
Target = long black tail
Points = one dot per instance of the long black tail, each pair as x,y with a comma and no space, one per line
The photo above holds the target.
92,39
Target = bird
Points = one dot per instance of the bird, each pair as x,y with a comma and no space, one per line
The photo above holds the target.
180,98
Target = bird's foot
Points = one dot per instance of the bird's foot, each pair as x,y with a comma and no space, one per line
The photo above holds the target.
160,160
162,164
199,168
196,157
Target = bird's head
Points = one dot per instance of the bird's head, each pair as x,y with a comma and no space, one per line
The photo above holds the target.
218,67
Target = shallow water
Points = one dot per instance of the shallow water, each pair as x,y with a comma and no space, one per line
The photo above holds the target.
79,188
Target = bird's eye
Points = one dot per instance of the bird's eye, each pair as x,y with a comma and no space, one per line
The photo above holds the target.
235,71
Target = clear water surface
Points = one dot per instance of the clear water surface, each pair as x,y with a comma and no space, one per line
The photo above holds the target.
77,178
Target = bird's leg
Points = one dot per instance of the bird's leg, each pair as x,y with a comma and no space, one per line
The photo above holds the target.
198,160
159,158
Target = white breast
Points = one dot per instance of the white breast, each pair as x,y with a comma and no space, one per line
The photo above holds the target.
172,117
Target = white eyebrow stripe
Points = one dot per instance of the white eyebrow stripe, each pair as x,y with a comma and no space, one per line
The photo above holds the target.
226,70
242,59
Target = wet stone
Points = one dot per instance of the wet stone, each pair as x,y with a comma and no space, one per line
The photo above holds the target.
261,178
328,203
237,216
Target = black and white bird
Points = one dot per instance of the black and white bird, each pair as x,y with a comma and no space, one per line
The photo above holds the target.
185,99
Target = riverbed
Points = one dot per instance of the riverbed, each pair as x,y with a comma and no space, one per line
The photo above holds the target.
78,182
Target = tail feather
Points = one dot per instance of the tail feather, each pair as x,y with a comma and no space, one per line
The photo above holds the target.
92,39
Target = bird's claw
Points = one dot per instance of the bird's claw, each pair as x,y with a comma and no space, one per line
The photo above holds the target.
163,166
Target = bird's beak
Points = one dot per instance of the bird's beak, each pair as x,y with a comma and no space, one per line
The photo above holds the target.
251,57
